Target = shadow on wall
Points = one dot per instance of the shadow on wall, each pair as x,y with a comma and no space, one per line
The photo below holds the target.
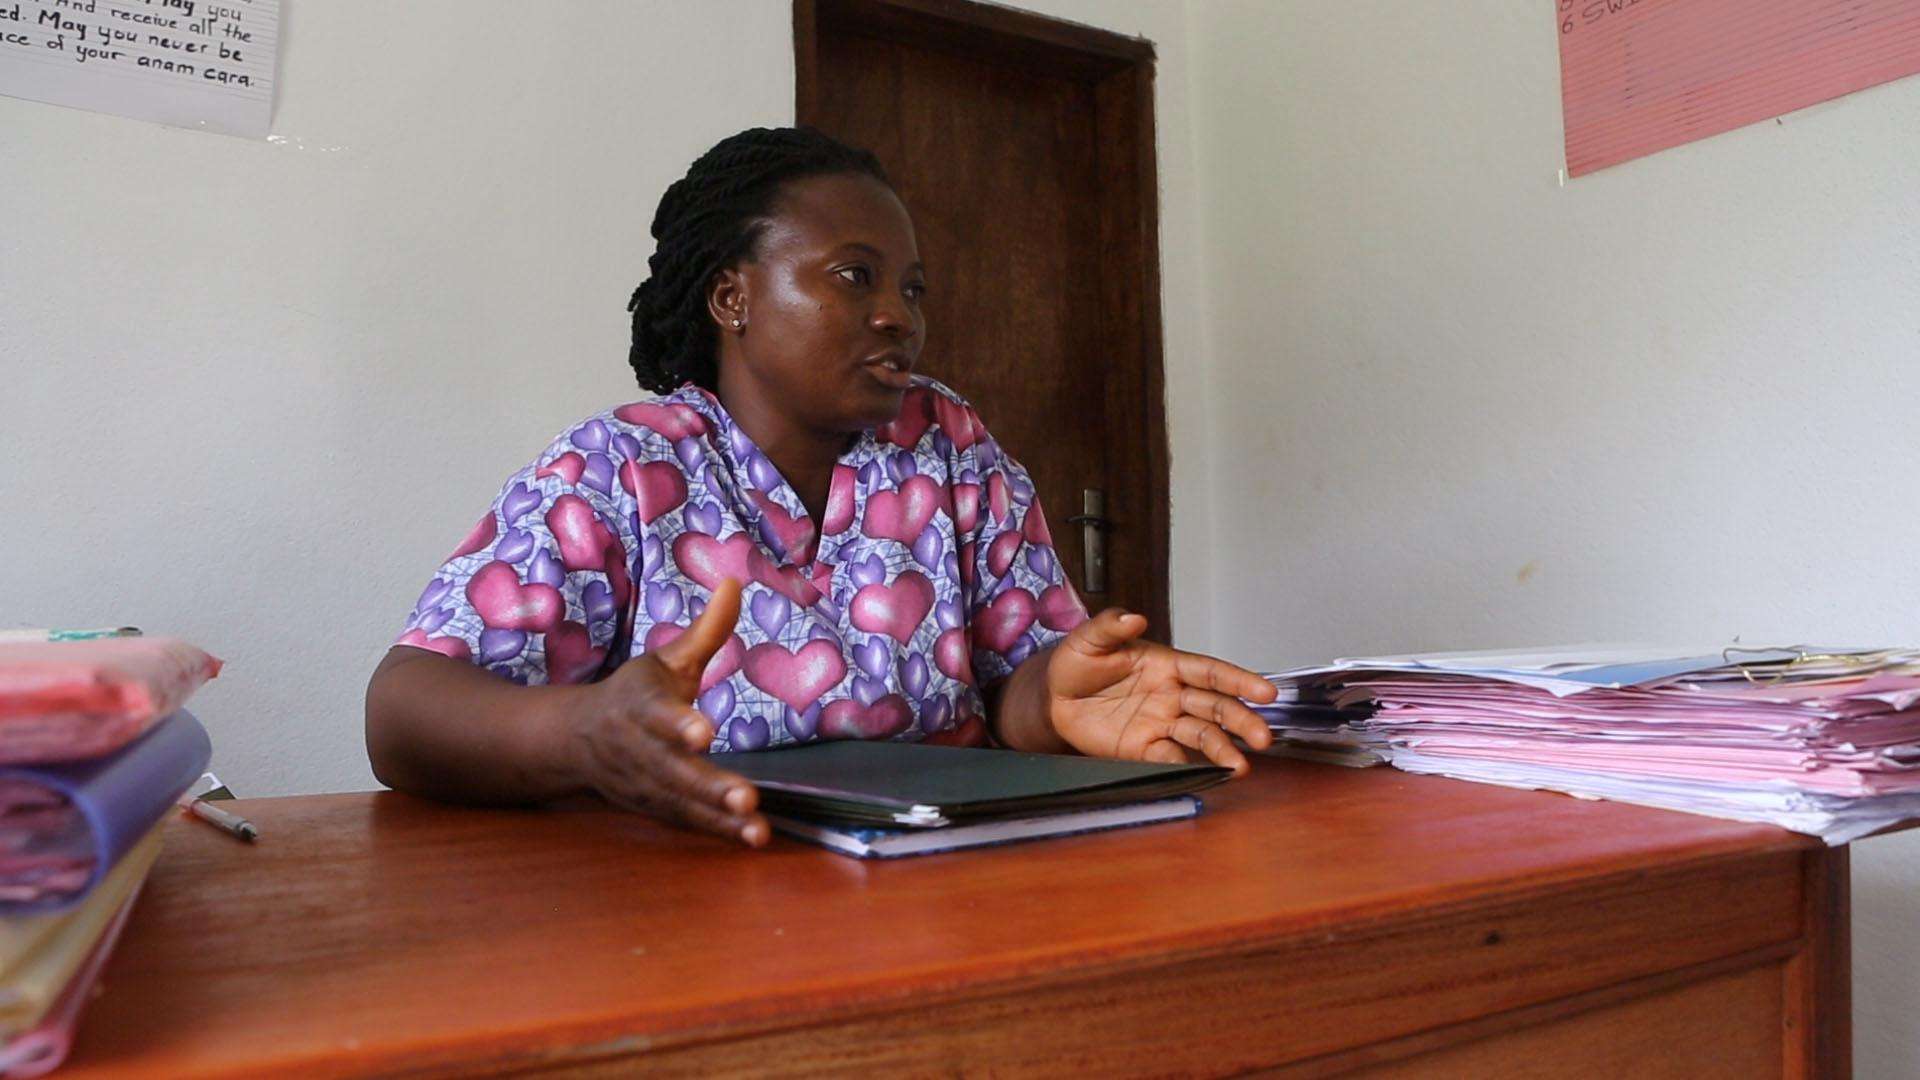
1886,907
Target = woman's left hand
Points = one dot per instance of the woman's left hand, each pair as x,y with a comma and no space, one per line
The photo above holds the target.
1110,694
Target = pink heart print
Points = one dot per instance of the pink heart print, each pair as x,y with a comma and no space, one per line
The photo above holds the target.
1060,609
820,576
798,678
674,421
839,512
480,537
584,542
848,719
957,421
567,466
571,657
795,531
709,561
1001,553
953,655
895,610
906,428
788,581
619,583
999,499
900,515
966,731
966,507
445,646
1034,528
999,627
725,661
504,604
657,486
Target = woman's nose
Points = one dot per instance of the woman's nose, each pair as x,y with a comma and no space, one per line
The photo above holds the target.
892,319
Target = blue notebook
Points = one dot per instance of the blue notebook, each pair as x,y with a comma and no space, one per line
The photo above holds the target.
866,842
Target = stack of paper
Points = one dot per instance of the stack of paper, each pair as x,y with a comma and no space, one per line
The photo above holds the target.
94,750
1307,724
1819,740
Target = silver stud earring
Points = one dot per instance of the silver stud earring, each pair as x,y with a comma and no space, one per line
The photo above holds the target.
736,324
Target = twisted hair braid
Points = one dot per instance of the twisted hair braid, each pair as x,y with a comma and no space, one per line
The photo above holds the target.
708,220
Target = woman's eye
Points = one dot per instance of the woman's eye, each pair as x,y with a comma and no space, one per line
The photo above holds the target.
917,290
855,275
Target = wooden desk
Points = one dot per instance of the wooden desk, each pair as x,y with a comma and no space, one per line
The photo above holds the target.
1316,918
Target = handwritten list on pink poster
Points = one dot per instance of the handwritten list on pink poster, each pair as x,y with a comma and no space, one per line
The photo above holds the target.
1637,76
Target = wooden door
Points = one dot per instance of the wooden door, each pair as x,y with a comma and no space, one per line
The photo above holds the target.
1023,147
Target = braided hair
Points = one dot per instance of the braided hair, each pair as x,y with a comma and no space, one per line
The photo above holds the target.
708,220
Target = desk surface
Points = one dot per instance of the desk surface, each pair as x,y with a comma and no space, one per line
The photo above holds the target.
381,932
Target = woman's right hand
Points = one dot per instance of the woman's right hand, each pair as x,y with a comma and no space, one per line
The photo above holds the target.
636,739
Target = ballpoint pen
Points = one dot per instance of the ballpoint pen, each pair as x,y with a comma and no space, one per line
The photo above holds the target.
195,801
223,819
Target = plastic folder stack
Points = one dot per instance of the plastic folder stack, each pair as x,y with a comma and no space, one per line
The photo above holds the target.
1818,740
94,750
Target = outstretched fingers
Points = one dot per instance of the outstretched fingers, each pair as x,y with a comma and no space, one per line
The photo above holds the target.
651,796
674,724
687,788
1211,740
1209,673
1229,712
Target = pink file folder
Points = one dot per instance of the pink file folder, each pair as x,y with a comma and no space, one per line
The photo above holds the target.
74,700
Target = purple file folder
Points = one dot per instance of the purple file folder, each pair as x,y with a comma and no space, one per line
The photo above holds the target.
62,827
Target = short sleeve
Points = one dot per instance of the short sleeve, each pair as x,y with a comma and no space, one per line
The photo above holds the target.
540,591
1019,600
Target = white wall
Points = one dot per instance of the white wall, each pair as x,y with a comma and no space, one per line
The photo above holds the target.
1455,404
255,391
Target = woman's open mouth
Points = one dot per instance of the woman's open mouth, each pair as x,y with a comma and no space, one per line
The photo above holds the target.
893,370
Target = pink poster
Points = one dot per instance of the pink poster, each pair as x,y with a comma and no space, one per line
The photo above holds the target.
1638,76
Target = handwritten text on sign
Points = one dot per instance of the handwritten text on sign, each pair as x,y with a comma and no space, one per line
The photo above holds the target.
1637,76
185,62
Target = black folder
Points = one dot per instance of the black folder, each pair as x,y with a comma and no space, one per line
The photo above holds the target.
898,784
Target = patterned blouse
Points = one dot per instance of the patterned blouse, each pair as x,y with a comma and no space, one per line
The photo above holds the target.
930,575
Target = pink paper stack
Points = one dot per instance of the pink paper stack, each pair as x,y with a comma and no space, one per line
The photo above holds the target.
1820,741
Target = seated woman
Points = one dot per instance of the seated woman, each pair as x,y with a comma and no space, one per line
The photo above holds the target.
800,540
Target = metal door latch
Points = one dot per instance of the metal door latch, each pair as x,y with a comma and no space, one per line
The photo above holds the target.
1094,525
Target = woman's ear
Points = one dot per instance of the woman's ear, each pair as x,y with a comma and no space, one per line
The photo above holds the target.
727,300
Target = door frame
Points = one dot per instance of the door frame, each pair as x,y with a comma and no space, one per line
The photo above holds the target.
1120,71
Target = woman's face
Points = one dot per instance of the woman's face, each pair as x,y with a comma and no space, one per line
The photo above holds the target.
830,306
